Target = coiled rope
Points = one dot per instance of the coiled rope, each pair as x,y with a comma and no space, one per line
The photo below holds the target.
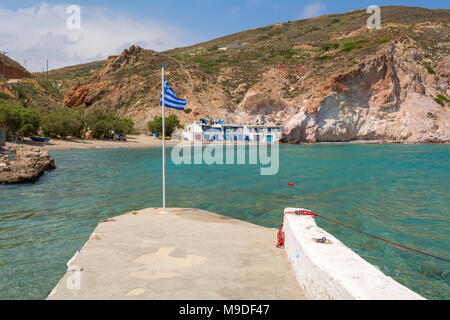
281,235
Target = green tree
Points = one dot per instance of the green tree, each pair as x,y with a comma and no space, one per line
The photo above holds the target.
155,125
18,120
172,123
52,125
30,122
105,124
63,122
10,118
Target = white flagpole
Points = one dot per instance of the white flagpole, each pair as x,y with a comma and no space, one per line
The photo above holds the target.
164,143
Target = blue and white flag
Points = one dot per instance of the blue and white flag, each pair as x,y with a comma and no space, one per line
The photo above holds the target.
171,100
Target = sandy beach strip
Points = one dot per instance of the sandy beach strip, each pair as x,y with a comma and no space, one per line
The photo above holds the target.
140,141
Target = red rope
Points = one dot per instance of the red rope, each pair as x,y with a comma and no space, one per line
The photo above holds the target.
281,235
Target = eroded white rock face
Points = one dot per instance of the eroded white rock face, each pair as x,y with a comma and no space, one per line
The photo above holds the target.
390,97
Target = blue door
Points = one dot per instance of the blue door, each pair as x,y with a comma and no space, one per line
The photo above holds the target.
269,139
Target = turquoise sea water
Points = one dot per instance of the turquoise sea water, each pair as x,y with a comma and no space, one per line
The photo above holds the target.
399,192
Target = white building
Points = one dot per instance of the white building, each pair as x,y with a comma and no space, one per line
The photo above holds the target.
200,131
233,46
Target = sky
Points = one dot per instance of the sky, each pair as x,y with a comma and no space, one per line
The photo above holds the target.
34,31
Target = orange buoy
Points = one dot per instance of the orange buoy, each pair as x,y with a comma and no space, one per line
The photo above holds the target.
291,184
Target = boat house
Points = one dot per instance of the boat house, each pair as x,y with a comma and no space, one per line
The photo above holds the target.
2,136
210,132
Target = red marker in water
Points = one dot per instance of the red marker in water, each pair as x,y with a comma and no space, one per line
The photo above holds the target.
291,184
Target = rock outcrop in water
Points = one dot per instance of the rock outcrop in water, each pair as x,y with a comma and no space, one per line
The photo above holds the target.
28,166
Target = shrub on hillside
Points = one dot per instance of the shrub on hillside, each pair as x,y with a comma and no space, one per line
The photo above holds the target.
350,46
441,99
429,68
5,96
329,46
287,54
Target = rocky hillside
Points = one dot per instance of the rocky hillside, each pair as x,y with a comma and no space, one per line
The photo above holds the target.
131,84
10,69
21,87
31,92
326,79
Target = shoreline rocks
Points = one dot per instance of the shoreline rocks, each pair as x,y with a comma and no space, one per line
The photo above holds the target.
28,166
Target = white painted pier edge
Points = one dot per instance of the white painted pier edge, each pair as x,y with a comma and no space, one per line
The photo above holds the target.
332,271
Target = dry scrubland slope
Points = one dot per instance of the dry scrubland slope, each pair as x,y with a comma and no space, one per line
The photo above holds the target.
326,79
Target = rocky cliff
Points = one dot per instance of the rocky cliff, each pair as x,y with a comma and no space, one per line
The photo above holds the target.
326,79
390,96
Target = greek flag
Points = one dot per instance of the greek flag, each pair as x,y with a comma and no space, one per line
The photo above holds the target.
170,99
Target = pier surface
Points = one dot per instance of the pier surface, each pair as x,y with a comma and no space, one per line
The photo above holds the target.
187,254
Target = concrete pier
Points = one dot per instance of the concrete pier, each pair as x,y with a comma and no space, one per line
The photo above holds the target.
188,254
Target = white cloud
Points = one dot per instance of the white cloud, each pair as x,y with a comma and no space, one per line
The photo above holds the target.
313,10
40,32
